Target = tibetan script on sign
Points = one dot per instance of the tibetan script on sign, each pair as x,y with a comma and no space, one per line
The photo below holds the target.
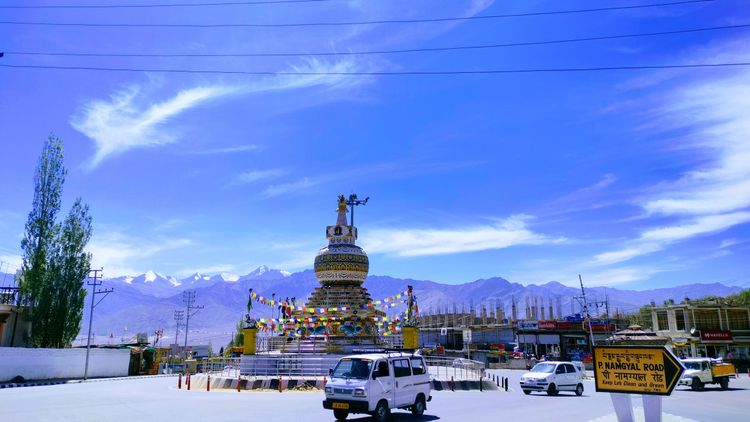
636,369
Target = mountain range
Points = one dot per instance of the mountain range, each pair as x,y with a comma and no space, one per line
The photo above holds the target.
147,302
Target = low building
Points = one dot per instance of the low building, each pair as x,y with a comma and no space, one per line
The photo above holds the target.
705,328
568,339
14,328
634,335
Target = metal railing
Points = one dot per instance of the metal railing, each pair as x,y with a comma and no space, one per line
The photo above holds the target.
9,295
444,367
288,365
308,365
221,366
319,345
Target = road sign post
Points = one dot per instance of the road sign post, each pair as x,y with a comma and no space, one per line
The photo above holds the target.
649,370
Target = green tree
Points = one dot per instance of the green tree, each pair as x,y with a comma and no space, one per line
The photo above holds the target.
69,267
239,335
54,261
642,317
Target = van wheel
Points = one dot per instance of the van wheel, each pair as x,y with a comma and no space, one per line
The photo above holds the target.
552,390
418,409
340,414
724,383
381,412
579,390
697,384
527,392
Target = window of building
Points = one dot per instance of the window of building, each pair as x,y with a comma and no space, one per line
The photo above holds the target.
707,319
661,321
679,316
738,319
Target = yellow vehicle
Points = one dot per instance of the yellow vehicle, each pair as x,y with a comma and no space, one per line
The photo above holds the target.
702,371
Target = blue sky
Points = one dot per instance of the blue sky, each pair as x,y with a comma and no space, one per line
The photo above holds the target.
633,179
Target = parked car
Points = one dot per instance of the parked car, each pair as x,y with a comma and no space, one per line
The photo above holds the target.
376,383
462,363
553,377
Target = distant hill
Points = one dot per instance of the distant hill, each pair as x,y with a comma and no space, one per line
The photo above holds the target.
147,302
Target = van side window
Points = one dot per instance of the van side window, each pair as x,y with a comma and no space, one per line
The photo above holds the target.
417,366
383,369
401,368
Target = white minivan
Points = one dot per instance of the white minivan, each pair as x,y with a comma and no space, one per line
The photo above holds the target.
553,377
375,383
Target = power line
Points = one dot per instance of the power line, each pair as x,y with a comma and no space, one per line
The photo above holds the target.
372,52
138,6
387,73
351,23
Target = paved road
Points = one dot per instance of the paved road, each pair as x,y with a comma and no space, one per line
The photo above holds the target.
158,399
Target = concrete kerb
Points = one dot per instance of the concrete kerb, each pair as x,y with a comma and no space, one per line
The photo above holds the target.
272,383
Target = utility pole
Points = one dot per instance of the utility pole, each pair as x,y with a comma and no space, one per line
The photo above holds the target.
188,297
586,314
94,284
178,317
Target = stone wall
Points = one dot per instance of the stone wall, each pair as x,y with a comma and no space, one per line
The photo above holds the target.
38,364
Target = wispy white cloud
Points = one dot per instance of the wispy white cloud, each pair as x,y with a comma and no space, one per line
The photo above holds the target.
121,255
512,231
714,114
728,243
657,239
229,150
131,118
120,123
710,114
371,172
699,226
256,175
284,188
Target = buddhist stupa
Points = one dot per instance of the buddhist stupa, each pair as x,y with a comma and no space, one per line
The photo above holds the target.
341,268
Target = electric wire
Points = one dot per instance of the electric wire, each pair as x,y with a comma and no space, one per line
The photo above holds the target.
375,52
351,23
156,5
388,73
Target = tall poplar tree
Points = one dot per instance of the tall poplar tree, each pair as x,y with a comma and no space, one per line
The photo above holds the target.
54,261
69,267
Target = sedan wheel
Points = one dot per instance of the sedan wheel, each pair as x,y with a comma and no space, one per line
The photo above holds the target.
552,390
579,390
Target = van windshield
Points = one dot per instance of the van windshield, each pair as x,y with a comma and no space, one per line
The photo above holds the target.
546,368
352,368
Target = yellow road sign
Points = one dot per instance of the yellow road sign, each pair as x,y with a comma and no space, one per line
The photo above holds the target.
636,369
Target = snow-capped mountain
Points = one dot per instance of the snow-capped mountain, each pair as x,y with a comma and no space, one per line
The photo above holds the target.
147,302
